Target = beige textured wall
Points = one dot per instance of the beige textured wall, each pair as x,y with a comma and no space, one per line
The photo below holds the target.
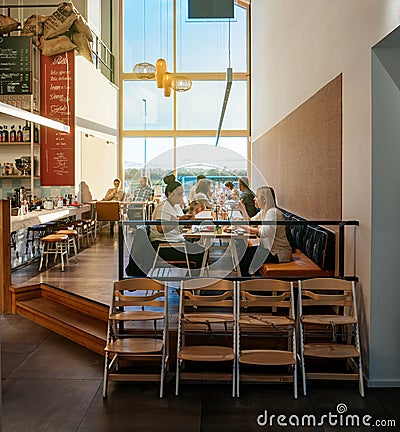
301,157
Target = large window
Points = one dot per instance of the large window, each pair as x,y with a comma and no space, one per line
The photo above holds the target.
178,133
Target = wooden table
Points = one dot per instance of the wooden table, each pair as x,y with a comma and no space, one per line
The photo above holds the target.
207,238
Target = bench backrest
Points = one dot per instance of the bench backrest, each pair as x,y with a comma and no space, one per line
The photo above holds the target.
317,242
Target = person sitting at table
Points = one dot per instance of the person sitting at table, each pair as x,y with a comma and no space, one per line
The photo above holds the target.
169,210
232,192
193,188
274,246
114,194
247,196
144,192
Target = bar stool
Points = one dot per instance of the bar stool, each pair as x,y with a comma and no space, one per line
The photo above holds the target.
34,233
54,244
72,240
13,239
88,230
81,228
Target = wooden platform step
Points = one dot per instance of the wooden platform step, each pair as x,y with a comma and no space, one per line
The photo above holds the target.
80,327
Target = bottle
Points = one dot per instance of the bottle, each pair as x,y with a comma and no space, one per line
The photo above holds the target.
1,134
35,133
26,132
19,135
13,134
5,134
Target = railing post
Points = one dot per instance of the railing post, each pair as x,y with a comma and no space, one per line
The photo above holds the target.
341,250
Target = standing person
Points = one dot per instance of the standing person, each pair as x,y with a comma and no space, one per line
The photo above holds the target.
274,246
144,192
169,210
233,193
247,197
192,191
114,194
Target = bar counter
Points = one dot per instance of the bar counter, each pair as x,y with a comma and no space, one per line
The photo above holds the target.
42,216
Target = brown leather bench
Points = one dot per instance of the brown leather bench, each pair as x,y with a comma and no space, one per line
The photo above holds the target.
313,252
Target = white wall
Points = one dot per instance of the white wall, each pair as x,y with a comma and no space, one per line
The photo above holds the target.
297,48
96,99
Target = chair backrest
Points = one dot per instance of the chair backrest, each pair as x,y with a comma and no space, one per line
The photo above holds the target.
208,292
107,210
328,292
266,294
143,293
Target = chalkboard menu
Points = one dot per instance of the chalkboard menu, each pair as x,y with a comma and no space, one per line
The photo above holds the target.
15,65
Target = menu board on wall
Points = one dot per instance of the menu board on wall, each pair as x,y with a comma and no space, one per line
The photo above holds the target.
15,65
57,102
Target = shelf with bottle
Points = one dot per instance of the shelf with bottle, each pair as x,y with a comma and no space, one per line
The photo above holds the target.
22,135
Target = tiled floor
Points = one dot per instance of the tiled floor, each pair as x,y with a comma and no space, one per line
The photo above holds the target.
52,384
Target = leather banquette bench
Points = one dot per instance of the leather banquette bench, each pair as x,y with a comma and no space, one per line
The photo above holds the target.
313,252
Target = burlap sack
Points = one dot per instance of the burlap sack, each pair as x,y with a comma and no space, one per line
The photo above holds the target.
33,26
60,21
80,26
8,24
82,45
58,45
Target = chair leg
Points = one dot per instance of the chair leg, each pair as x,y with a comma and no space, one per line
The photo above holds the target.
105,380
178,365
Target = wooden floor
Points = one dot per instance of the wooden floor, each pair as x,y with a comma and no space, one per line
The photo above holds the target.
93,275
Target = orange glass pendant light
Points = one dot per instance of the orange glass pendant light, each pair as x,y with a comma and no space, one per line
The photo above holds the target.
167,84
161,68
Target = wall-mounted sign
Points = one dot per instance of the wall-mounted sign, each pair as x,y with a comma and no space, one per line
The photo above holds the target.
15,65
57,102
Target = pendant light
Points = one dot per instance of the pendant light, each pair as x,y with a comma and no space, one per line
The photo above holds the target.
181,83
161,69
144,70
167,84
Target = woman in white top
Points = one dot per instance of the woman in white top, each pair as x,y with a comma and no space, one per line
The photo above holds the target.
169,210
274,246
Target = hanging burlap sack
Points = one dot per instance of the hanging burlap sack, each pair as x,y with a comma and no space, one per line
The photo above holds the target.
60,21
33,26
58,45
80,26
8,24
82,45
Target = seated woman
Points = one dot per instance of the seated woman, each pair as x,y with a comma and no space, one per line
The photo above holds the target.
274,246
232,192
170,210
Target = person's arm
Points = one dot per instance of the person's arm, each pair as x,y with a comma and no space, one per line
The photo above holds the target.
240,205
109,195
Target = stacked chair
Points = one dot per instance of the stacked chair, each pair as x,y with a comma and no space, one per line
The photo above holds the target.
329,329
206,330
137,332
238,332
265,310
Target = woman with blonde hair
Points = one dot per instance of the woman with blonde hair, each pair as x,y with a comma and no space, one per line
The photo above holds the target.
274,246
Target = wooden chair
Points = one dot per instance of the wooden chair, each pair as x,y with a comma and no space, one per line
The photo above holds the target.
265,318
107,211
329,328
162,267
206,328
130,336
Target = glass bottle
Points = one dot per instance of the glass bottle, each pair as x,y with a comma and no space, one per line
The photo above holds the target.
13,134
19,135
26,132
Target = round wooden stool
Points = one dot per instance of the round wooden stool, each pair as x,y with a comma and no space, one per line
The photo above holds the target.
54,244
